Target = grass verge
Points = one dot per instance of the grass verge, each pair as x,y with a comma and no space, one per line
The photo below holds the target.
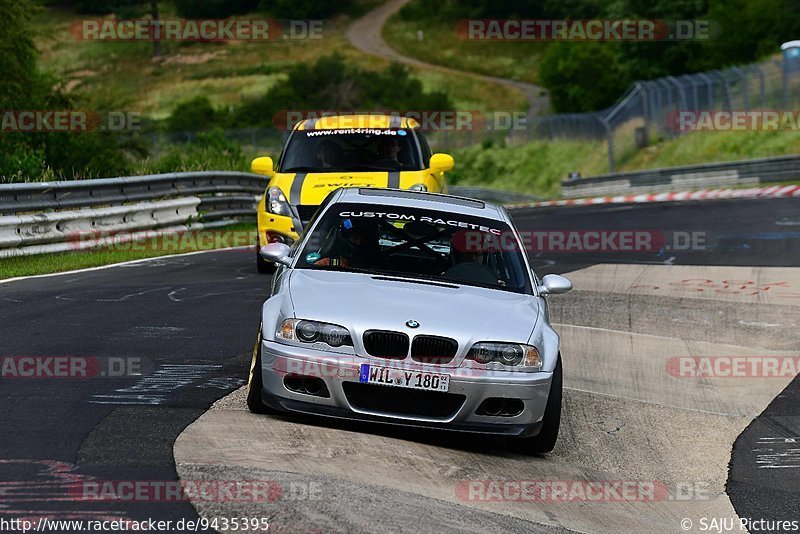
195,241
539,167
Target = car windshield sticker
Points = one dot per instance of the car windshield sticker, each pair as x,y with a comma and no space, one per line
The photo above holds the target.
423,218
313,257
346,131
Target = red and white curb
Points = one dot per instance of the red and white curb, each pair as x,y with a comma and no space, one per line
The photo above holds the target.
775,191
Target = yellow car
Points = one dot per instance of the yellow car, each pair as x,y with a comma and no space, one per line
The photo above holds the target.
324,154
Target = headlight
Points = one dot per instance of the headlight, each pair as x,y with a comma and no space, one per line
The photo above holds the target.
419,187
302,331
277,203
505,354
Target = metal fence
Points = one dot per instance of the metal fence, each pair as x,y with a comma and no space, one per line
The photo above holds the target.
649,108
647,111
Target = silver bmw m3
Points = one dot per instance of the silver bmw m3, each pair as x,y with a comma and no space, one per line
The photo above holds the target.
411,308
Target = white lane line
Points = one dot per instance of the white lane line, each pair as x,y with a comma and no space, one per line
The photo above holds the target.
121,264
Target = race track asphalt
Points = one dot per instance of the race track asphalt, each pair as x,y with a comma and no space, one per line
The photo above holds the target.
190,322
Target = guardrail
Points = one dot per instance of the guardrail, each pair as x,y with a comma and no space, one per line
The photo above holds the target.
43,217
677,179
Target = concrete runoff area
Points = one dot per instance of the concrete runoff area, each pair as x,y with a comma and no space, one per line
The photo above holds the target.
634,412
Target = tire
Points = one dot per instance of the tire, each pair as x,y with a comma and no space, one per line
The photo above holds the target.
255,383
545,441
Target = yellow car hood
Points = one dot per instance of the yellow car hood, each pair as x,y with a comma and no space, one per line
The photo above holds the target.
313,187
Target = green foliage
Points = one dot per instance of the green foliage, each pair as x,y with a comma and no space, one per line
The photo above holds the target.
122,8
17,52
537,167
305,9
451,10
208,151
26,156
193,116
584,76
581,76
333,83
742,31
750,29
194,9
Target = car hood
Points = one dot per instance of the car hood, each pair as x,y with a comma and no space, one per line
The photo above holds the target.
363,302
315,186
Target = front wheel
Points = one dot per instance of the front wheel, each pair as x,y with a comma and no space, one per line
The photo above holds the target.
255,382
545,441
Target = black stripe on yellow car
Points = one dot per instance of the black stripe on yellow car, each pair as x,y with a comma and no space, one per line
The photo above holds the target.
297,187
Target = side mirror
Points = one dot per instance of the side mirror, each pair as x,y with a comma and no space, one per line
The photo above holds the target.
263,166
277,253
554,284
442,162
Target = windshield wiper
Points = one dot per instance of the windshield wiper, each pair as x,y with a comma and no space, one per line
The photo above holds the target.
425,281
341,268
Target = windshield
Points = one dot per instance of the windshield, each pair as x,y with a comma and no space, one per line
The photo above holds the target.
351,149
417,243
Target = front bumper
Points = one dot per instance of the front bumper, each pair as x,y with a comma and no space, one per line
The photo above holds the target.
287,228
336,370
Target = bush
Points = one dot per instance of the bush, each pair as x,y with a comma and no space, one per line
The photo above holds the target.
331,83
213,9
26,156
582,76
18,53
208,151
452,10
305,9
193,116
537,167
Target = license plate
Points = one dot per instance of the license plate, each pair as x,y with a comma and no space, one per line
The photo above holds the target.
403,378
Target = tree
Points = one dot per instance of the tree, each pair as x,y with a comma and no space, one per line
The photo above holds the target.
23,87
17,53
